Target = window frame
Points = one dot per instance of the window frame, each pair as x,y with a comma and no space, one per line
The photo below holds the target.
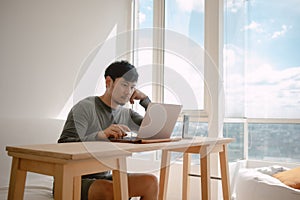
213,45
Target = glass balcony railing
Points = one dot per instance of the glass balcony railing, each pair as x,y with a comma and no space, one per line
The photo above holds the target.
257,140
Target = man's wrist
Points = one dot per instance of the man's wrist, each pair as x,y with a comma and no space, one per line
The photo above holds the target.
145,102
101,135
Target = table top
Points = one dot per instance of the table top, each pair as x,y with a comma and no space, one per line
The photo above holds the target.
85,150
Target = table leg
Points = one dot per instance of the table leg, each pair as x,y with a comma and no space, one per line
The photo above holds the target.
17,181
185,176
164,175
120,180
205,174
77,187
63,188
224,173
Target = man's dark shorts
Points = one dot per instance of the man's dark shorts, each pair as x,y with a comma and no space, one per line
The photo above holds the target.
87,180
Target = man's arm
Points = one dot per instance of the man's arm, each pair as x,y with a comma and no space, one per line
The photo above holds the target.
75,128
77,123
144,101
138,95
82,125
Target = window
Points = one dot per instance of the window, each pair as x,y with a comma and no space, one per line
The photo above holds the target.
261,71
178,56
273,70
183,79
142,45
172,77
261,62
173,65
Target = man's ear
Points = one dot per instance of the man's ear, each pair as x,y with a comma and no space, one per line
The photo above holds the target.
108,81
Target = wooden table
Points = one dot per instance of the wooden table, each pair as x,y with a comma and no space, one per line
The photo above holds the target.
68,161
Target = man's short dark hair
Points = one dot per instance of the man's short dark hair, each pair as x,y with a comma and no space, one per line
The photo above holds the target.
123,69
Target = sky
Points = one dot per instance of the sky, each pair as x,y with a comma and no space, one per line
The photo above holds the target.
263,38
261,47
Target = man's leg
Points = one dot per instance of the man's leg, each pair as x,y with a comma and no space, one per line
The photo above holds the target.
101,189
141,185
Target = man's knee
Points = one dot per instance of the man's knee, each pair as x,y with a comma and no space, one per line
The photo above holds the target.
151,183
152,179
141,184
151,187
101,189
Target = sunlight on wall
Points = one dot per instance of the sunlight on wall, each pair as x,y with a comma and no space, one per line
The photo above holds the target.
89,78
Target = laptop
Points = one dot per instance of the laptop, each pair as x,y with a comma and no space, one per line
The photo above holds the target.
157,126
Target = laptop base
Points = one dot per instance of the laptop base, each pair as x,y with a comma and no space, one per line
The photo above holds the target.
136,140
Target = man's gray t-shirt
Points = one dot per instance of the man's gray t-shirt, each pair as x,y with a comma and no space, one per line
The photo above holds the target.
91,115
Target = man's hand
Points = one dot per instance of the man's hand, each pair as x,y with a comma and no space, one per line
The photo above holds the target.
114,131
137,95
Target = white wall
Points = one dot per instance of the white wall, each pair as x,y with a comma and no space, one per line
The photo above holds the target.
42,46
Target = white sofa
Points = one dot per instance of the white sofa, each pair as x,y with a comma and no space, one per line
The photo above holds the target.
258,184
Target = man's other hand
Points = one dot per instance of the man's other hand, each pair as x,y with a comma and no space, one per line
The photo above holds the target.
137,95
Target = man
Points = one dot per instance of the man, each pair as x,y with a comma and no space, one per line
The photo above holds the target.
100,118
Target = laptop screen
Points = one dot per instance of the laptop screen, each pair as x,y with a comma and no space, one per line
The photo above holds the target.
159,121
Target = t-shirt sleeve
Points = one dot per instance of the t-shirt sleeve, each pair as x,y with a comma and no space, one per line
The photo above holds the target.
145,102
76,125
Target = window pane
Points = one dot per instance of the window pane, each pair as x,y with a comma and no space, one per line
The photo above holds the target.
235,18
143,41
236,148
274,142
143,14
195,128
273,72
261,58
143,38
183,79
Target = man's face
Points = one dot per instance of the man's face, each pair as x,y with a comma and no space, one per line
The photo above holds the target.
122,91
